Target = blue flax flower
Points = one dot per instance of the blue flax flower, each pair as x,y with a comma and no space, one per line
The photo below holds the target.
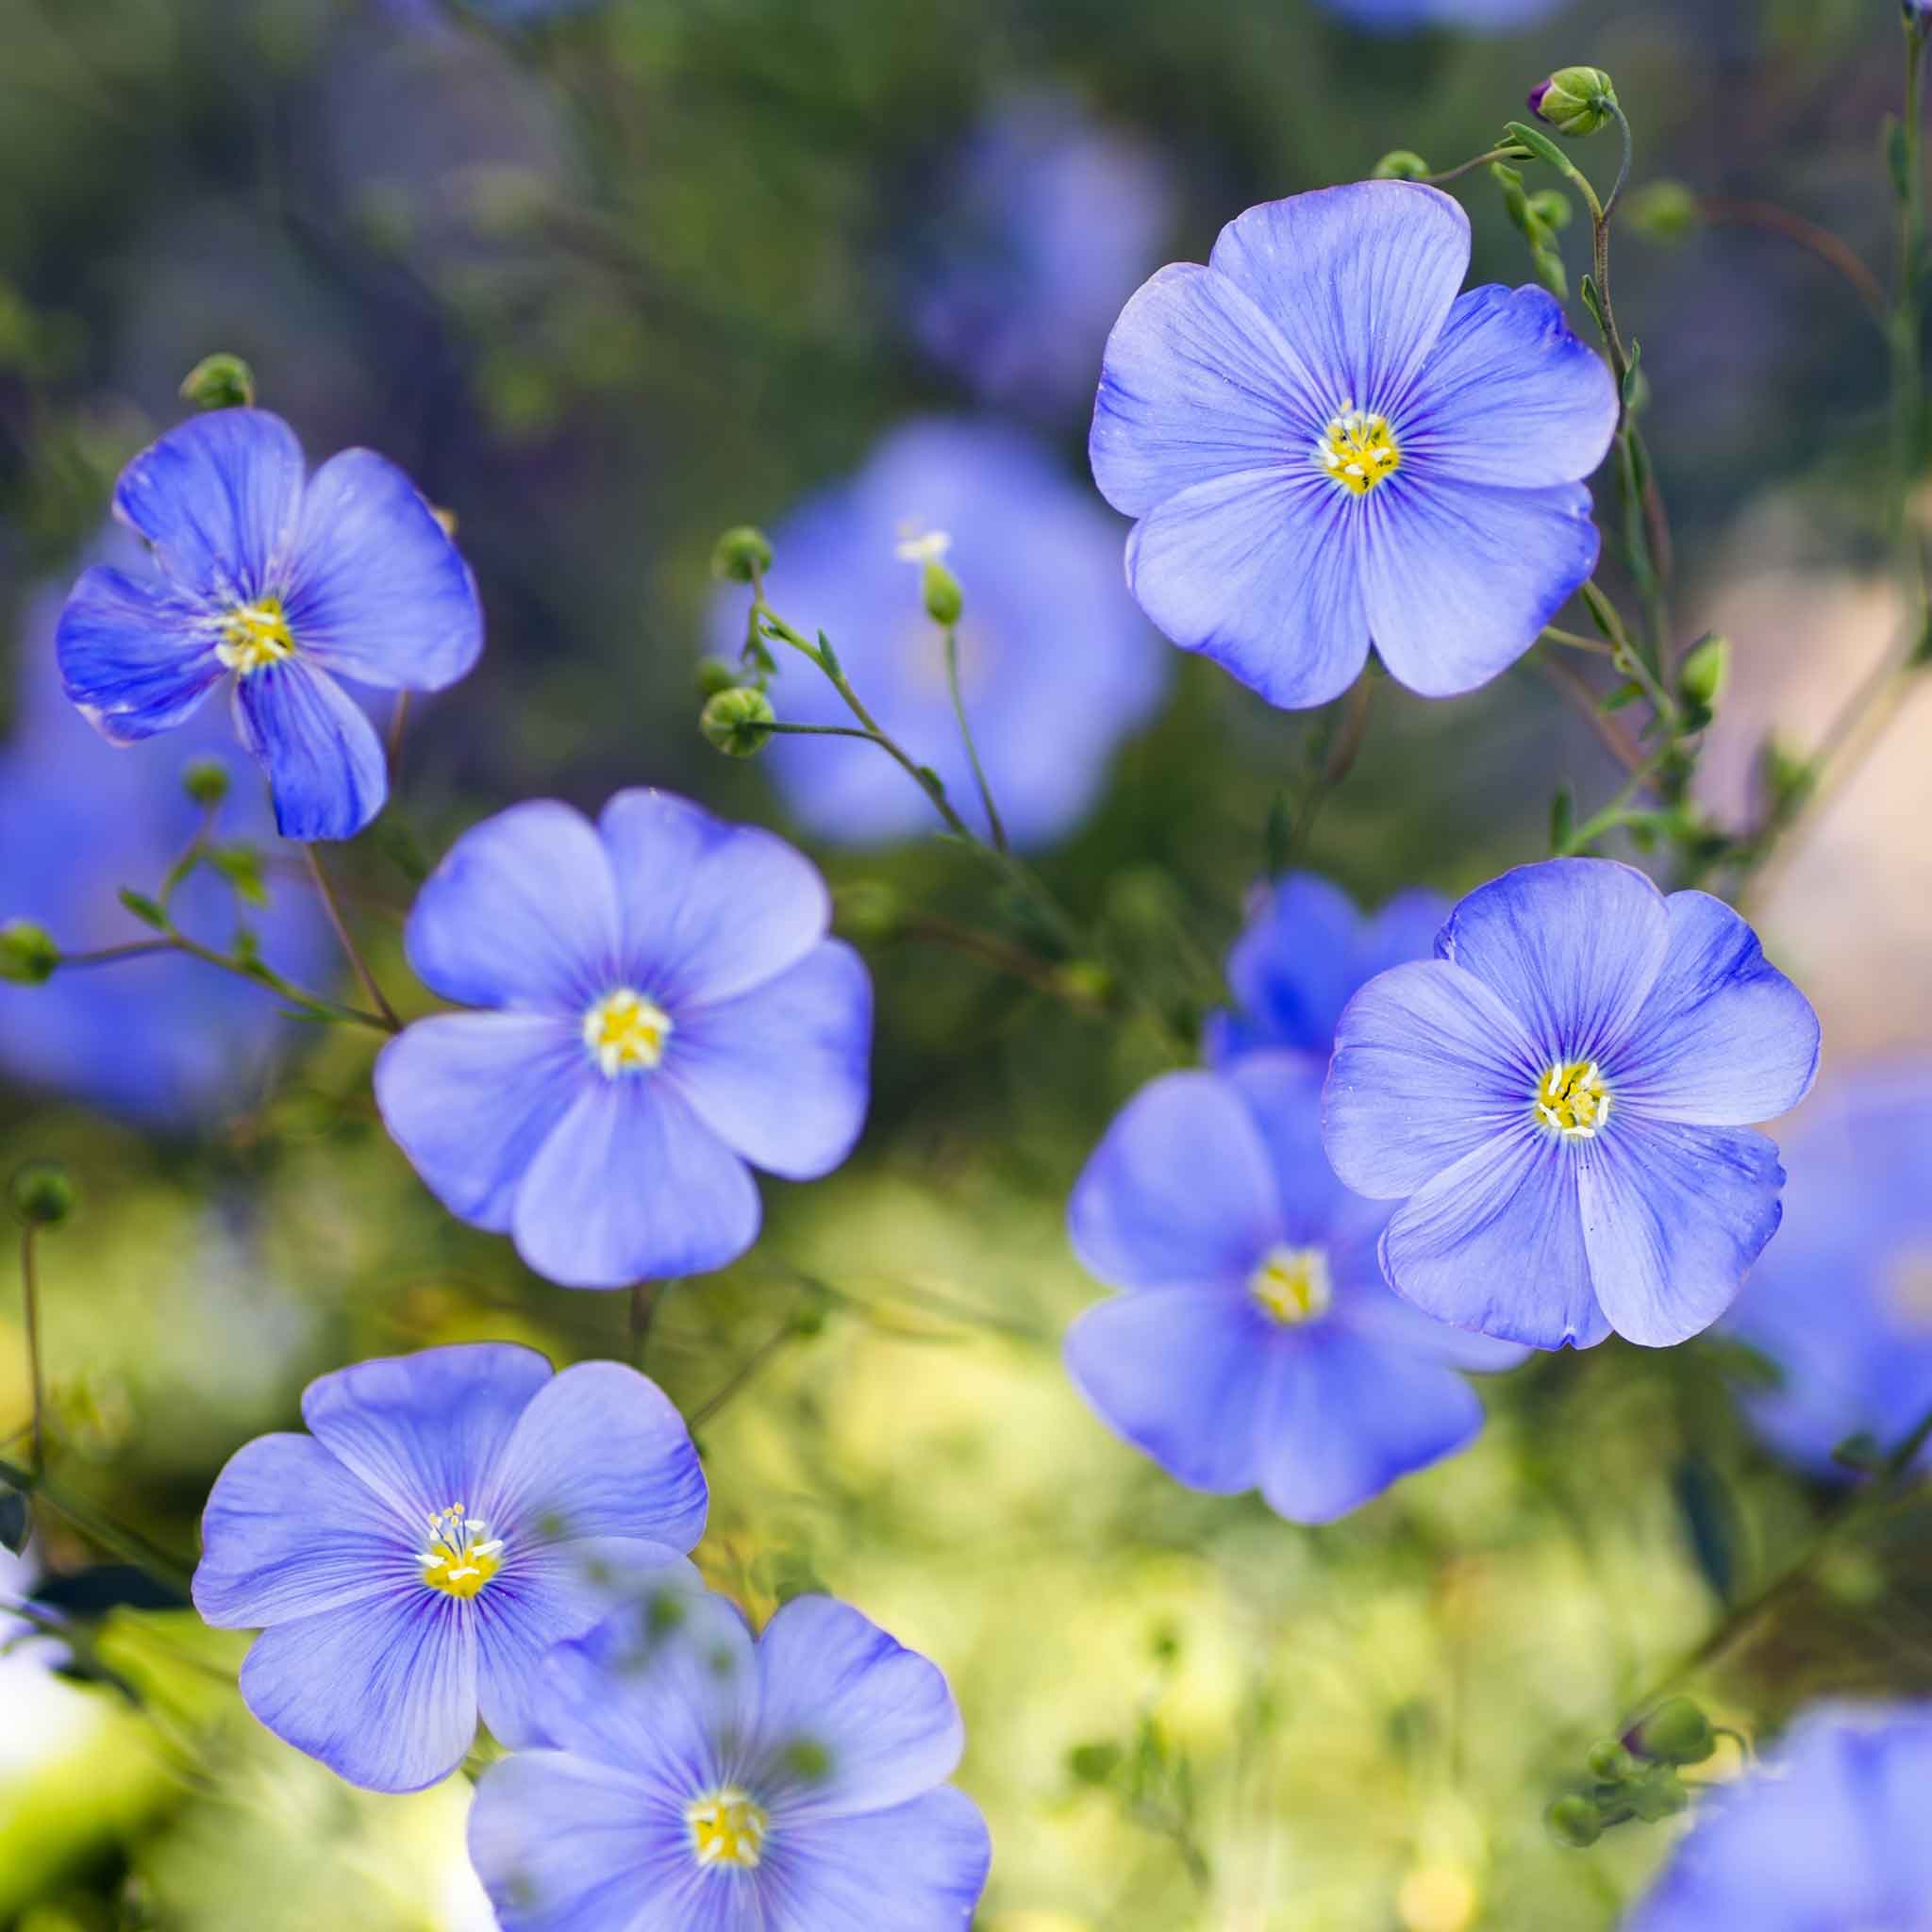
1302,955
1327,447
1056,666
1829,1836
1556,1099
1857,1227
1257,1346
697,1781
282,585
1472,16
449,1518
665,1008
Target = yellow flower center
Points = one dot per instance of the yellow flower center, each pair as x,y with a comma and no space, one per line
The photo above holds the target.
462,1555
255,634
1292,1285
727,1827
1359,451
625,1033
1572,1099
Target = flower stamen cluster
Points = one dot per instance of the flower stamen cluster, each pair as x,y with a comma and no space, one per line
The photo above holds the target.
1358,450
1572,1099
727,1827
462,1555
1294,1285
255,636
625,1033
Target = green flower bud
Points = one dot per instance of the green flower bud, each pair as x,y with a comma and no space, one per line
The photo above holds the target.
940,587
869,909
206,781
1400,164
1657,1796
1094,1764
42,1193
740,555
1663,211
714,674
1608,1762
1574,1822
1550,206
28,954
220,382
1676,1732
1576,100
1701,677
738,721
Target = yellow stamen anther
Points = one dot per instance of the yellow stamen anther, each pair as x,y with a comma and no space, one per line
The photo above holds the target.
727,1827
1572,1099
255,634
1358,450
462,1555
1294,1285
625,1033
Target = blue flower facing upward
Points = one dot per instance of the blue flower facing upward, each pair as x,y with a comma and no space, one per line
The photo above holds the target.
1304,952
1556,1099
1828,1836
1255,1346
1843,1302
449,1518
1327,447
697,1781
282,585
664,1007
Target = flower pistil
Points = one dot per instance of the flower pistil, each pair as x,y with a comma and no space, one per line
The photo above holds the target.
1572,1099
727,1827
625,1033
462,1555
1358,450
1294,1285
255,634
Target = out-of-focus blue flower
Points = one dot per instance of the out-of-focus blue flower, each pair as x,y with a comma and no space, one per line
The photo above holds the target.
1046,225
1257,1345
449,1517
1327,447
1555,1099
1056,665
1472,16
701,1781
1301,956
285,584
666,1008
1828,1836
1843,1302
165,1041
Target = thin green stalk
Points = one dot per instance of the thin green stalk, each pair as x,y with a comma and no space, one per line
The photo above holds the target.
364,972
30,1301
128,1545
992,811
1509,151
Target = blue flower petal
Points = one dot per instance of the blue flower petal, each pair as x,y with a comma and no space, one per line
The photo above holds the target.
1342,1419
631,1186
1260,571
218,498
710,909
849,1719
376,590
1429,1065
471,1097
1178,1373
1283,1092
1358,280
1512,397
1179,1192
1403,930
383,1692
1388,1322
1290,971
1196,384
1672,1218
263,1561
921,1867
135,656
1459,578
522,913
1724,1037
780,1073
326,765
1495,1243
425,1431
1572,946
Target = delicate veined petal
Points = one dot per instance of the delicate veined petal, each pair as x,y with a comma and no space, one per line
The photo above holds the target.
1458,578
849,1719
811,1029
710,909
631,1186
1724,1037
1179,1192
326,765
1290,970
1495,1243
377,591
1673,1217
1342,1419
1196,384
522,913
1359,280
1510,397
921,1866
1387,1321
472,1097
1260,571
218,497
1283,1092
383,1692
265,1561
137,657
1178,1373
1572,947
1429,1065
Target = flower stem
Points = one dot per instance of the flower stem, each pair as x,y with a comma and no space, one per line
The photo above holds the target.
993,811
1509,151
363,971
30,1303
128,1545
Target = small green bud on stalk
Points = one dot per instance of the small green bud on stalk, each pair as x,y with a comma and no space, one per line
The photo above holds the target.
1400,164
206,781
714,674
1574,1822
42,1193
1666,212
738,721
1659,1795
740,555
944,599
1576,100
1701,678
27,954
1676,1732
220,382
1608,1762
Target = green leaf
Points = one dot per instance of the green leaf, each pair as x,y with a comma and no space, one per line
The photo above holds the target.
1538,144
241,865
1593,301
1623,695
1898,157
1632,381
145,910
829,657
16,1522
1563,819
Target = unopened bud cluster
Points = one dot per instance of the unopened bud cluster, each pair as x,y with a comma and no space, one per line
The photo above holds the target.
1635,1776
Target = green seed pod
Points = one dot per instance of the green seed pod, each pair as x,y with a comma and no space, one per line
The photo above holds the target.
714,674
1702,676
1608,1762
1576,100
1663,211
944,599
220,382
42,1193
738,721
1574,1822
740,555
1676,1732
206,781
28,954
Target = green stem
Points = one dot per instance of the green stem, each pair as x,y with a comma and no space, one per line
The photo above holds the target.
705,1411
128,1545
1509,151
363,970
1614,814
992,812
1574,640
30,1301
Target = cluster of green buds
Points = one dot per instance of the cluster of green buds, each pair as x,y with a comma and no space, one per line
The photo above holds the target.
1635,1778
738,715
1538,218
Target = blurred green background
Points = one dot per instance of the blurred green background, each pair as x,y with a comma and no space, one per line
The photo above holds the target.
607,278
